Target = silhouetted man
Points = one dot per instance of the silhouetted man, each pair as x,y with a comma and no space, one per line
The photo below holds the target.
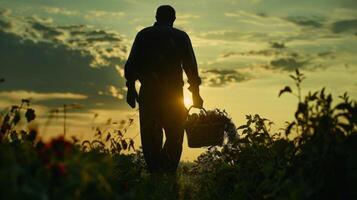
157,58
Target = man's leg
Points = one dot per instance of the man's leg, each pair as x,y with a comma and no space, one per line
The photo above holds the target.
174,114
171,152
151,136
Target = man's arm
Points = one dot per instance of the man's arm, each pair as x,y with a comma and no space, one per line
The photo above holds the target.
189,65
131,72
133,62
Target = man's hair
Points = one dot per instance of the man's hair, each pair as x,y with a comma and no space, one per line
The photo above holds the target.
165,13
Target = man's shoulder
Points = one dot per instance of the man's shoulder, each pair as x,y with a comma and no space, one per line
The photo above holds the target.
180,32
148,30
152,30
145,30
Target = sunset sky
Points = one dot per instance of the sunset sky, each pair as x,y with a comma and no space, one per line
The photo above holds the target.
72,51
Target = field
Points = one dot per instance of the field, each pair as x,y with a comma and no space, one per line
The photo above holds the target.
319,163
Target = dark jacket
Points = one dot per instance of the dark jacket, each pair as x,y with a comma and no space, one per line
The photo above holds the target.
158,55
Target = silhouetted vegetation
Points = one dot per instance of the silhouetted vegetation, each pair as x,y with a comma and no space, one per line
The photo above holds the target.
313,157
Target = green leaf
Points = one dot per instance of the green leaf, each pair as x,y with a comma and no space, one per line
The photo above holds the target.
342,106
16,118
131,144
30,115
6,119
32,135
242,127
120,133
293,77
14,108
285,89
288,129
13,136
124,144
26,101
108,137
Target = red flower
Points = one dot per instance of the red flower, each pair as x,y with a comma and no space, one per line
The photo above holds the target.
58,169
56,148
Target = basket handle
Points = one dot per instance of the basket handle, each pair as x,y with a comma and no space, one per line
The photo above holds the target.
188,111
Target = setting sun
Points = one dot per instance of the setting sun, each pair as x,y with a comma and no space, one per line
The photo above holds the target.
187,98
187,101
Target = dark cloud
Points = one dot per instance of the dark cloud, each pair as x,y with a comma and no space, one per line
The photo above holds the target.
277,49
4,24
225,35
314,22
45,61
47,31
80,37
287,64
229,54
43,67
262,14
277,45
327,54
286,59
222,77
94,35
263,52
344,26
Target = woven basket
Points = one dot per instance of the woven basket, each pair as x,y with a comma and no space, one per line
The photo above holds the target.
205,134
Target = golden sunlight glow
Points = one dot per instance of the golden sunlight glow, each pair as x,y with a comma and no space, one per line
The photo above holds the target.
187,101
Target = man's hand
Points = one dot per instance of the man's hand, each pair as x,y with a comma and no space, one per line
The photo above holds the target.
131,96
197,100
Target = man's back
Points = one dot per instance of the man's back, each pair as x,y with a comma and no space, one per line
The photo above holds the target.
158,55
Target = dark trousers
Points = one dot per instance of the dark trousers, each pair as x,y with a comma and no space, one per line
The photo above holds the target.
161,109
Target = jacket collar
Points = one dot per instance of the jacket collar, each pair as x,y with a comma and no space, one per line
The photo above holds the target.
162,24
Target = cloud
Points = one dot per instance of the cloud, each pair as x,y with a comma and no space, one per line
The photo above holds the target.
89,14
46,31
276,49
327,54
277,45
38,96
287,64
115,92
222,35
313,22
222,77
257,19
229,36
105,47
240,14
92,14
263,52
349,25
61,11
185,18
284,57
38,56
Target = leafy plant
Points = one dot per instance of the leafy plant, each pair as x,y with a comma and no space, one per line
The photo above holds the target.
110,137
319,162
265,165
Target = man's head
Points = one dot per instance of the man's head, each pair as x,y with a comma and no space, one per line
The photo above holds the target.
165,14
